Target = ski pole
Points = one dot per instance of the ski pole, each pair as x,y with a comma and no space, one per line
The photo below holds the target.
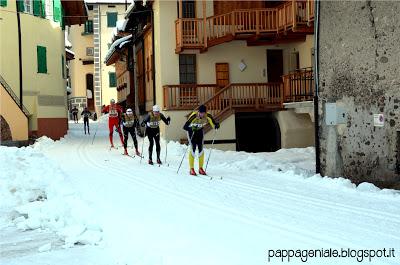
166,152
183,157
95,131
208,159
141,154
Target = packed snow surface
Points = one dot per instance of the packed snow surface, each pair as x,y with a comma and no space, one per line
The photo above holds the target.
74,202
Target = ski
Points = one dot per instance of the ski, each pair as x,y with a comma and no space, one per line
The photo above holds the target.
131,156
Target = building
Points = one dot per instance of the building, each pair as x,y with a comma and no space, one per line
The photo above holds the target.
93,83
247,61
33,87
358,91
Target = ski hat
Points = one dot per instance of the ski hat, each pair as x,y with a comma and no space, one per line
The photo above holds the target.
156,108
129,111
202,109
112,101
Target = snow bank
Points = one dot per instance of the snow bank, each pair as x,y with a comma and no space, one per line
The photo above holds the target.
35,194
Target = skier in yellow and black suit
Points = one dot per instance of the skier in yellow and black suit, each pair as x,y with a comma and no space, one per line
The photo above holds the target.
194,127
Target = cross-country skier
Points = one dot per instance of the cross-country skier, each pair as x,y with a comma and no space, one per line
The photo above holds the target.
152,123
194,127
74,112
86,114
130,121
114,112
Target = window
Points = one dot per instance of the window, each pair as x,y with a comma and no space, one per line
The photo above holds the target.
41,59
111,19
188,9
89,51
88,27
90,7
39,9
49,8
187,68
3,3
112,79
57,10
62,66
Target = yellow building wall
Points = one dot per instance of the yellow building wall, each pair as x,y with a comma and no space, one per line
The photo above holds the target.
105,38
78,71
44,94
8,46
15,118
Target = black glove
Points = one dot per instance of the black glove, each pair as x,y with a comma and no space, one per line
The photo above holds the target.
168,120
216,126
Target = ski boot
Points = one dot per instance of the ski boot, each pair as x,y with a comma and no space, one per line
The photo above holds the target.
202,172
151,162
159,161
137,153
192,172
126,152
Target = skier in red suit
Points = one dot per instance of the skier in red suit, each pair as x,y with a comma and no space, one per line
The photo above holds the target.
114,111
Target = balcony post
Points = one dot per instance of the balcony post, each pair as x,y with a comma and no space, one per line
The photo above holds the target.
294,9
257,22
204,23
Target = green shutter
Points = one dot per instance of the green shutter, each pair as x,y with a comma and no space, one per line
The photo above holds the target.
56,10
41,59
3,3
111,19
43,9
20,6
62,19
36,7
112,80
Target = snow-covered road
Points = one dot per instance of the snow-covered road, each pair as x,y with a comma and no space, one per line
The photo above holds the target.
152,215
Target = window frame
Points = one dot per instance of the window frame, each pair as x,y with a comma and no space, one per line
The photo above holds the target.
183,69
109,14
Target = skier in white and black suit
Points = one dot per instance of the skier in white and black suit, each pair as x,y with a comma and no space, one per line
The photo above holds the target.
152,123
129,122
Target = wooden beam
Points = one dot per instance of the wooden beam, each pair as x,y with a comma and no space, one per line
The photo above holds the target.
180,8
204,24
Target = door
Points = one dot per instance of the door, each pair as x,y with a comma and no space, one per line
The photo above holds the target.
274,65
140,80
222,74
89,92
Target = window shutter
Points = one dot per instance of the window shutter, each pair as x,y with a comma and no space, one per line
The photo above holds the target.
3,3
43,9
20,6
42,60
112,80
56,10
62,18
111,19
36,7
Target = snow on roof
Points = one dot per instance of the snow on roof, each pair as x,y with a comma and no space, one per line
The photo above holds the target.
68,50
121,24
123,44
115,44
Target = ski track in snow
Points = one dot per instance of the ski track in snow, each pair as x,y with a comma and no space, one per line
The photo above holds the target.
274,209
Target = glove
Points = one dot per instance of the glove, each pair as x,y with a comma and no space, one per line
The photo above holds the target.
143,124
169,120
216,126
124,123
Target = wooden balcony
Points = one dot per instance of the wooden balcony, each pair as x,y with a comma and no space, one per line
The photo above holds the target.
295,16
299,85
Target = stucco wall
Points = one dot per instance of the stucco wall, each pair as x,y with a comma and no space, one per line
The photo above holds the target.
15,118
105,38
297,130
359,62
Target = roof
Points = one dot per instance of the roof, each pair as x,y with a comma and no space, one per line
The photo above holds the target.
75,12
119,43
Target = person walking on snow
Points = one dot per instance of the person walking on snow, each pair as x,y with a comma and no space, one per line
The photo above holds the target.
74,112
194,127
152,123
86,114
130,121
114,112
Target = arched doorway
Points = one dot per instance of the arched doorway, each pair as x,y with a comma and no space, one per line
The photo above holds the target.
257,132
89,92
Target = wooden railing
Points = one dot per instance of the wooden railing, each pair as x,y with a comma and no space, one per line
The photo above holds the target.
184,97
16,99
298,85
197,32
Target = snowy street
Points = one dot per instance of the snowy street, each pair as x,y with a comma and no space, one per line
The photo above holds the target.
151,215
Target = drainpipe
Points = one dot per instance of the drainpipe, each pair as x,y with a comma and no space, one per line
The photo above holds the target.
20,60
316,78
153,59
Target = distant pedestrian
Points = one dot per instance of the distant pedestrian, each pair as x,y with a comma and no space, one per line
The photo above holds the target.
74,112
95,116
86,114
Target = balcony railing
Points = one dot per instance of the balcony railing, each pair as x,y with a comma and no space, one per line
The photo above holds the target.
298,85
201,33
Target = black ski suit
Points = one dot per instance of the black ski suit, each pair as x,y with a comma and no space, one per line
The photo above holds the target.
152,124
86,114
129,124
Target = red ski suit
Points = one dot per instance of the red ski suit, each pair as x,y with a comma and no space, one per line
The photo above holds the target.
114,112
